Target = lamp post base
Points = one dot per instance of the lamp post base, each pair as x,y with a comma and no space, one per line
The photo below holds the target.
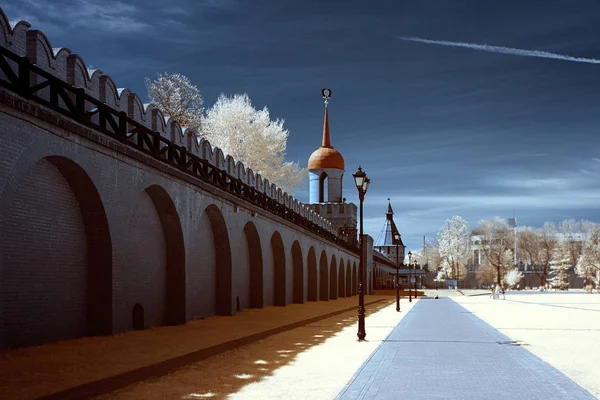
362,334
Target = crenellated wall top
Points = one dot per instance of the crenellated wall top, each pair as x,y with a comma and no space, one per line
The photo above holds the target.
19,38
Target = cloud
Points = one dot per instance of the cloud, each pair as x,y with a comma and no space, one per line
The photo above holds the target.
502,50
53,17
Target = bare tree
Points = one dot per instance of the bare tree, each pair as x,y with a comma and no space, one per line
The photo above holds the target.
486,274
496,246
569,230
177,97
430,258
537,247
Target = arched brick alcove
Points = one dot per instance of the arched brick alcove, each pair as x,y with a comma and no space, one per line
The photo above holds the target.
333,279
298,273
323,278
175,299
312,292
223,283
256,265
278,253
67,292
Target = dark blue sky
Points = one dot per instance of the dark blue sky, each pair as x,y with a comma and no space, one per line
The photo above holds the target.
441,130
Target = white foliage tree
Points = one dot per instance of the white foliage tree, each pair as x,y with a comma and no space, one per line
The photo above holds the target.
178,98
588,263
559,265
454,247
513,277
250,136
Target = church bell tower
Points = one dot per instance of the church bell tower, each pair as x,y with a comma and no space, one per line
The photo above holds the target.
326,166
326,171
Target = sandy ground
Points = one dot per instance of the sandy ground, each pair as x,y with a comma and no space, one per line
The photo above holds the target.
311,362
36,371
562,328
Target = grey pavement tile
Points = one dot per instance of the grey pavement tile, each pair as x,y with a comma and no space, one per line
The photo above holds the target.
439,350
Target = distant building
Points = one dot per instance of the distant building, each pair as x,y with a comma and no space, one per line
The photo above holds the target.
530,278
389,254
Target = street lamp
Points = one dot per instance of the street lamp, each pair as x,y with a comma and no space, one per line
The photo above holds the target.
415,283
397,237
362,184
409,277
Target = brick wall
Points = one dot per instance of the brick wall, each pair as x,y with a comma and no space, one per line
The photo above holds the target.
144,274
44,261
136,250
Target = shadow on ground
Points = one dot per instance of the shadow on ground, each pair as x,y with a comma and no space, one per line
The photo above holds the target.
227,373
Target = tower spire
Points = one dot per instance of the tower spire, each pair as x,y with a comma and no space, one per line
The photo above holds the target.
390,212
326,137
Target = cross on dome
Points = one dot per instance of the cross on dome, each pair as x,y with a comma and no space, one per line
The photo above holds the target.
326,156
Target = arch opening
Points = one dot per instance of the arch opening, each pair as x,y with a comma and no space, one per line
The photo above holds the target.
354,280
85,306
333,285
323,278
223,293
323,188
278,253
342,280
348,280
298,273
256,265
175,298
137,317
312,293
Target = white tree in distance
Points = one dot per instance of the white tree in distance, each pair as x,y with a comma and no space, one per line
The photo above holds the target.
454,247
588,263
496,246
178,98
559,265
513,277
250,136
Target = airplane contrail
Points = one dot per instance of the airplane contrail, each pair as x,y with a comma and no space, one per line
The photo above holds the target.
500,49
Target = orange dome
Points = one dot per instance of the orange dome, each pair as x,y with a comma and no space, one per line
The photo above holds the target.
326,156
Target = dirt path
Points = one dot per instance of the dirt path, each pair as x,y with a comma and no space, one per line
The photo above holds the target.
314,362
43,370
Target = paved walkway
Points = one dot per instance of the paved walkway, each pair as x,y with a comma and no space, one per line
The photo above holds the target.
442,351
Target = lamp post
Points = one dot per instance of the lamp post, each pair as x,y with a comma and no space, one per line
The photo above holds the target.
415,283
397,237
409,276
362,184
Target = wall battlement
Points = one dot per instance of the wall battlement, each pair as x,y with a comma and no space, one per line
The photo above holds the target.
69,67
